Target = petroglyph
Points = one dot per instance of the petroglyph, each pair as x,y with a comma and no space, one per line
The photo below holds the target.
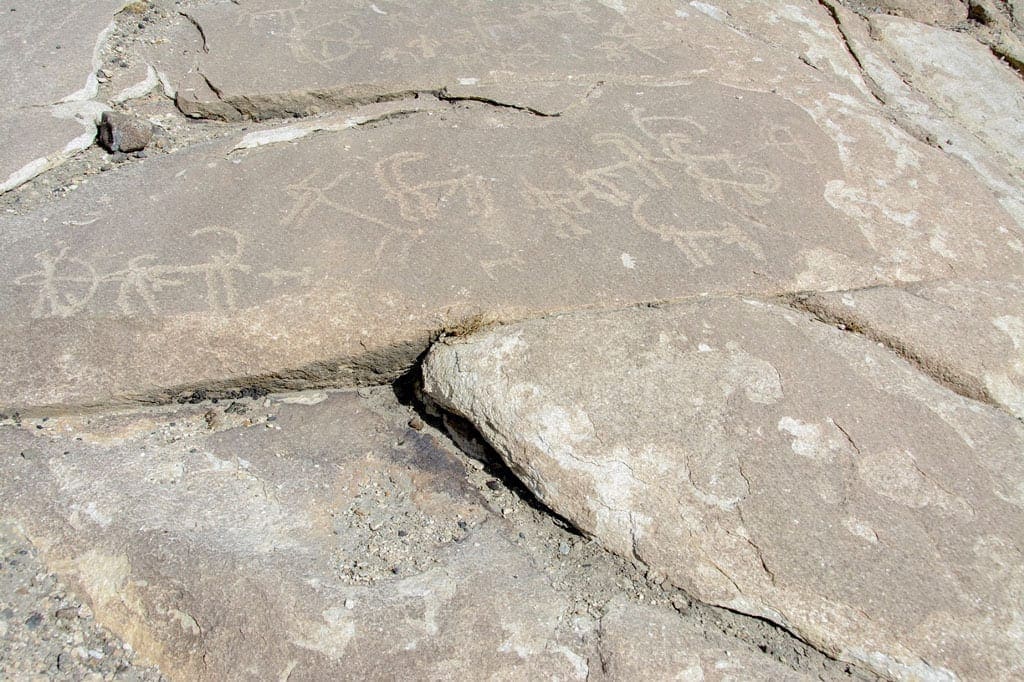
782,139
318,190
68,285
425,200
649,168
698,246
312,38
624,44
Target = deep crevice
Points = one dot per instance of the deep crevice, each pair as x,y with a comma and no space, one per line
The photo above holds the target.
768,636
382,365
465,436
303,104
444,96
199,27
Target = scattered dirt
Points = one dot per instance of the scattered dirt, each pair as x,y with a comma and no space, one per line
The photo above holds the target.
49,634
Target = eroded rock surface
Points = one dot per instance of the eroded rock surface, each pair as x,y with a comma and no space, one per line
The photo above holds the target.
768,463
963,78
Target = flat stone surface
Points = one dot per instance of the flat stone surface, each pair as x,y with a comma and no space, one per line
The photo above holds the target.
968,334
53,47
308,536
250,551
48,52
334,259
771,464
35,140
261,59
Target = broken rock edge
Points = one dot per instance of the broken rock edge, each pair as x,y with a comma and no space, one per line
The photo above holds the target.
386,364
304,103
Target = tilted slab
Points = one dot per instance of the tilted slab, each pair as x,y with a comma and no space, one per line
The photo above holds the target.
771,464
967,334
910,104
334,259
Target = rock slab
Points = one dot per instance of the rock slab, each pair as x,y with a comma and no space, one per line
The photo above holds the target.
770,464
320,264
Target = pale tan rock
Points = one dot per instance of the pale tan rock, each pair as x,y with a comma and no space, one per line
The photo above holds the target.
771,464
969,335
318,535
1017,11
963,78
1011,48
915,111
926,11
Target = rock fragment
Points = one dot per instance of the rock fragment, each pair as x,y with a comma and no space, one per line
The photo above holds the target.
123,133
